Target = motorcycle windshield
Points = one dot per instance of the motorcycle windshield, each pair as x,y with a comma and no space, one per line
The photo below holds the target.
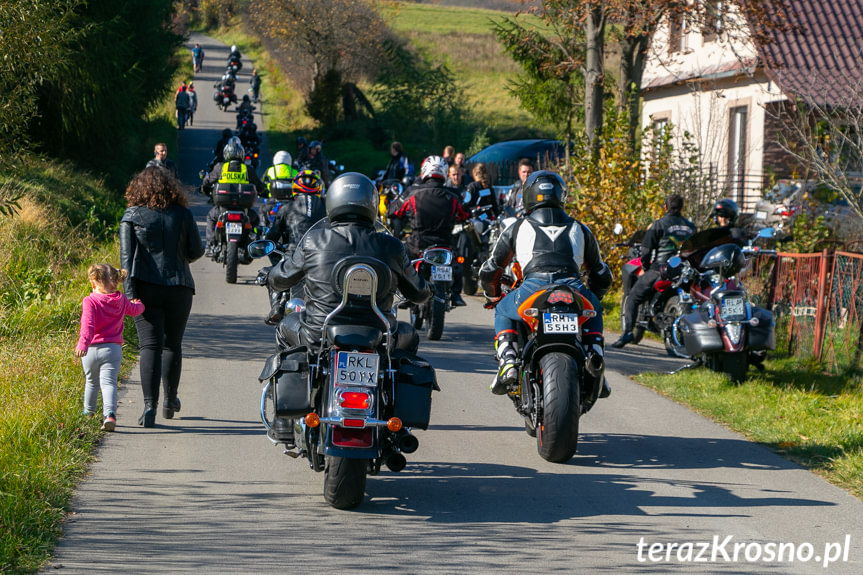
699,243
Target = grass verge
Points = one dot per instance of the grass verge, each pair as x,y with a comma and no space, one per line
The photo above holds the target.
803,414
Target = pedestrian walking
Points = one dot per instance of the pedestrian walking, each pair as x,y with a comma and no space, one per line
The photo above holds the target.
193,103
197,57
158,240
100,343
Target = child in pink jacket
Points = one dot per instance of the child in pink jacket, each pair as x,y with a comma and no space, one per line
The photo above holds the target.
101,341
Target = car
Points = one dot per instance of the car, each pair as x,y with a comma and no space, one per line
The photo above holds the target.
789,199
501,159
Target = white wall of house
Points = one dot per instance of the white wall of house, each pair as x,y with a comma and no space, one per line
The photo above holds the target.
705,87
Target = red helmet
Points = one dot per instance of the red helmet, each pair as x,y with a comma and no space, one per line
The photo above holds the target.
308,182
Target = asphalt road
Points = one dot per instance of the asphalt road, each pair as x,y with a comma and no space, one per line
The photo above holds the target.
207,493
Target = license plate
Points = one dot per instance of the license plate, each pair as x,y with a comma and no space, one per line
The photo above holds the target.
456,229
234,229
560,322
441,273
760,215
355,368
733,308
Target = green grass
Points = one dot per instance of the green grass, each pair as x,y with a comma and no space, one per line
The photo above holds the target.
805,415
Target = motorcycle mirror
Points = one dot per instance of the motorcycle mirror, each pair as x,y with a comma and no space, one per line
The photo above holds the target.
675,262
618,229
466,199
261,248
766,233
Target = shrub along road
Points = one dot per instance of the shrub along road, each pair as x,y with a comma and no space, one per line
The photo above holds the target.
206,492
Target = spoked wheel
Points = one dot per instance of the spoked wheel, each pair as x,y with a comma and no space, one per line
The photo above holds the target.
344,481
671,332
557,435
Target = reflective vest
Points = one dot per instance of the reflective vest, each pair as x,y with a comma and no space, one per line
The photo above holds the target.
280,172
228,177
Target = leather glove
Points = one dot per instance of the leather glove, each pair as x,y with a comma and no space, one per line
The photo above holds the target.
491,301
263,275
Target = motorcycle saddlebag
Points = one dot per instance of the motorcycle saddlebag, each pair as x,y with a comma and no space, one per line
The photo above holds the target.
415,380
762,336
281,189
288,372
698,337
237,196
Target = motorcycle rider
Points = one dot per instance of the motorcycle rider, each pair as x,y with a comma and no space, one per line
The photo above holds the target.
281,176
349,230
725,214
317,161
232,171
235,58
660,243
550,247
244,107
433,209
292,222
227,134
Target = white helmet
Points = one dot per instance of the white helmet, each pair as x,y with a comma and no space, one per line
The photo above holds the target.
433,167
234,48
282,157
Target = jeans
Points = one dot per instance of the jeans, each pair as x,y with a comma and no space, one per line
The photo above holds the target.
160,336
101,365
506,313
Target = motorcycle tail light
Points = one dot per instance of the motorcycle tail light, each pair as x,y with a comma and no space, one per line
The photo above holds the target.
588,313
354,400
247,225
460,259
352,437
531,312
232,217
220,224
312,419
358,423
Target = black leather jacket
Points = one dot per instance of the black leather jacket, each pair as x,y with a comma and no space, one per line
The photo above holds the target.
663,237
545,241
433,210
316,257
295,218
156,246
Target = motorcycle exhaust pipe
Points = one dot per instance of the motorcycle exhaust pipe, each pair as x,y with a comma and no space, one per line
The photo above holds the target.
407,442
595,365
395,462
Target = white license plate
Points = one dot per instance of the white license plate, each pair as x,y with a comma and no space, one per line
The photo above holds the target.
560,322
355,368
441,274
733,307
234,229
456,229
760,215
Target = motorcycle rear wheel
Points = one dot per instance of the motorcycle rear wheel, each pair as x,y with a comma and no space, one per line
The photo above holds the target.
344,482
436,319
734,365
231,262
469,284
557,434
672,309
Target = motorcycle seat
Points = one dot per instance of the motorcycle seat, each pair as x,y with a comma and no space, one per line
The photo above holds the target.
355,336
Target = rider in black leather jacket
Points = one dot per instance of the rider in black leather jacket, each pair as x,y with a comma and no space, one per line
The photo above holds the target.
349,230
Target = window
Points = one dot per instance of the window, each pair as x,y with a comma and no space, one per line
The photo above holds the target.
713,19
738,118
677,33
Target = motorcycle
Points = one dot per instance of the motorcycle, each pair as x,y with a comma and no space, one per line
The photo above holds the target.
348,405
234,229
436,266
558,383
472,241
224,96
670,294
718,326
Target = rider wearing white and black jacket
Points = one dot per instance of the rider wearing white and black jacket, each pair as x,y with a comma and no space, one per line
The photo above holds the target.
550,247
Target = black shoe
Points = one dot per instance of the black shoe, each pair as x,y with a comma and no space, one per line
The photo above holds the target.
457,300
624,339
148,418
170,407
605,390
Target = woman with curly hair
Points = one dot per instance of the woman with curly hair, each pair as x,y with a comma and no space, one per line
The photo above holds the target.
481,191
158,240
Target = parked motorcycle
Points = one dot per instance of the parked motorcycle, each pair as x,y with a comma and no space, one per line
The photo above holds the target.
719,327
436,266
558,383
348,404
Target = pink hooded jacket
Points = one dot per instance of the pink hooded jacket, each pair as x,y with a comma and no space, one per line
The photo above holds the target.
102,318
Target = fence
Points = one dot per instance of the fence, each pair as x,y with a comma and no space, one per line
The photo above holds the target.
817,301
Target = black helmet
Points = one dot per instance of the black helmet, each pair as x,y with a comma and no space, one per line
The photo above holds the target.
543,189
727,209
227,133
352,197
233,150
246,98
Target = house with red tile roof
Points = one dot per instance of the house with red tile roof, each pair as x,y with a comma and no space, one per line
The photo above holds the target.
729,88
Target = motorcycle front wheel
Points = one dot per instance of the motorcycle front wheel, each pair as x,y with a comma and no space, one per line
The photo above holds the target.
557,434
672,312
344,481
231,261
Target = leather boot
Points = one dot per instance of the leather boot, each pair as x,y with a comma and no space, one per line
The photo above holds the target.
170,406
507,359
148,418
